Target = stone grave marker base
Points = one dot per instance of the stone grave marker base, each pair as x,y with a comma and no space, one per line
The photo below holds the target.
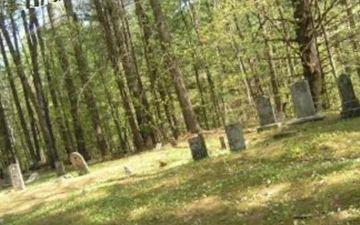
298,121
268,127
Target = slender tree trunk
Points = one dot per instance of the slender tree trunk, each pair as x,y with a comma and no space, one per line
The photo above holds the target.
6,145
202,61
44,126
271,64
172,62
150,57
353,26
124,43
115,115
290,63
33,49
20,113
70,88
83,72
34,23
113,54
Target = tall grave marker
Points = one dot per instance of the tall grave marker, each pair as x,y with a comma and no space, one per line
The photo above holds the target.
16,176
235,136
265,113
303,103
198,147
350,104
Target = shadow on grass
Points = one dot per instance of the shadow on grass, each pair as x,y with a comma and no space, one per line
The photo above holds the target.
211,192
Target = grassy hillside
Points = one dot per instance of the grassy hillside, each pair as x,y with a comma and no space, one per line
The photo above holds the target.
309,174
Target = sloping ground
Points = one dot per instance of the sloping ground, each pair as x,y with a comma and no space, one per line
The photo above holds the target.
309,174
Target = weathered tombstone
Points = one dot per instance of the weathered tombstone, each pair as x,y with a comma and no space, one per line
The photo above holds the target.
222,142
303,103
265,113
350,104
235,136
198,147
302,98
78,161
16,177
158,146
60,168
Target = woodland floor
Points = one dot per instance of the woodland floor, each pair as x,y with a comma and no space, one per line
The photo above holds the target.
309,176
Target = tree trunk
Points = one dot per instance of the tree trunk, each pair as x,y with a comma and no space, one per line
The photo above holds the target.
44,126
189,115
123,41
83,72
34,23
353,27
20,113
6,145
33,49
306,38
150,56
70,88
113,55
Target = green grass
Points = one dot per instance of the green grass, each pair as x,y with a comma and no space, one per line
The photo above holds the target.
312,176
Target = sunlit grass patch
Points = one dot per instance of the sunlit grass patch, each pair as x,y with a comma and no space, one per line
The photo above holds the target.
309,177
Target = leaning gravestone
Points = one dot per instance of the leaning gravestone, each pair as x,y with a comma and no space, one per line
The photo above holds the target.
158,146
198,147
16,177
303,103
78,161
350,104
265,113
235,136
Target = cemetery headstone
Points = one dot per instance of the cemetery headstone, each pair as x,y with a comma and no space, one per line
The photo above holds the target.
222,142
158,146
78,161
350,104
265,113
303,103
60,168
235,136
16,177
198,147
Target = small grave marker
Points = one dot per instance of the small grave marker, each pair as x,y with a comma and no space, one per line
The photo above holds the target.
265,113
350,104
303,103
16,177
198,147
78,161
235,136
158,146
